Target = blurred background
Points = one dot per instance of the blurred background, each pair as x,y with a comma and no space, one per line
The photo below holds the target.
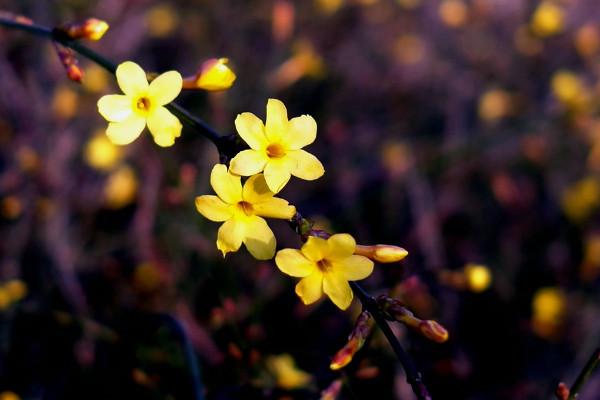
465,131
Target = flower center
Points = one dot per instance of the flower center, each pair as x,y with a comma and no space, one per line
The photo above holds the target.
275,150
324,265
246,208
143,104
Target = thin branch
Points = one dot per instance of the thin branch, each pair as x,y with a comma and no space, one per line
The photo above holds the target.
227,145
413,376
585,373
52,34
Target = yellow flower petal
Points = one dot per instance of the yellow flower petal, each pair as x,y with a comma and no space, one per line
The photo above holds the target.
310,289
256,190
227,186
164,140
251,129
302,132
277,174
126,131
248,162
230,236
259,238
165,88
338,289
307,166
213,208
315,249
274,207
294,263
276,127
164,126
115,107
341,245
131,78
353,268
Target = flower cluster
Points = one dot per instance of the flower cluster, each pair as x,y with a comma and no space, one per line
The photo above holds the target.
324,264
275,154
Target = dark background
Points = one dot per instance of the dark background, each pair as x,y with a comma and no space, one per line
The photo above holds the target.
464,131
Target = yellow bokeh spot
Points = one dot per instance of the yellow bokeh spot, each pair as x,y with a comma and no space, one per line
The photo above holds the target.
146,278
592,250
568,88
121,188
16,289
305,62
101,153
11,207
409,49
478,276
8,395
587,40
161,21
96,79
494,104
64,102
549,305
4,299
287,375
581,199
547,19
329,6
453,13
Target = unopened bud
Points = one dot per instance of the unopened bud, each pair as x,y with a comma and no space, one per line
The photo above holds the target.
214,75
395,310
356,340
70,63
433,331
333,391
562,392
91,28
383,253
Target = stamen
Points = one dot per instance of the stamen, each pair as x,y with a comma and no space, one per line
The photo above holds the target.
275,150
246,207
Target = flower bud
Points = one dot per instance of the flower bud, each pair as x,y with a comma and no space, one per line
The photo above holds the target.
356,340
433,331
70,63
383,253
562,392
332,392
214,75
395,310
91,28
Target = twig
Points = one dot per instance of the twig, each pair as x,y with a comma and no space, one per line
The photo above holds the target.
585,373
227,145
413,376
192,121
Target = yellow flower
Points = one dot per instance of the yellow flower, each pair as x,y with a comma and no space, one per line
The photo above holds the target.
241,209
275,147
325,266
141,104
